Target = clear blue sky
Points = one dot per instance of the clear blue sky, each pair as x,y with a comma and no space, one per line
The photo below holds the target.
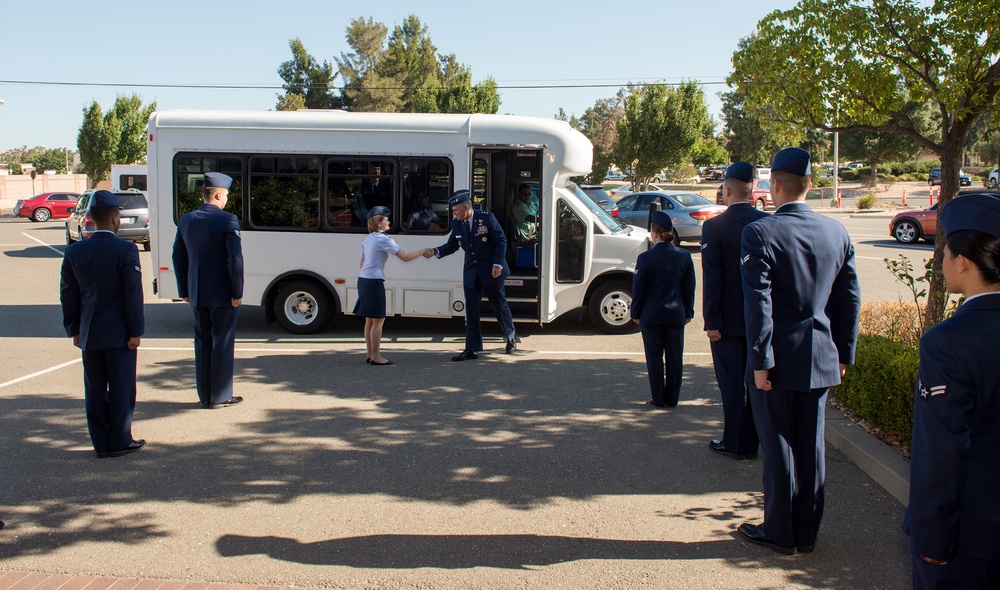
242,43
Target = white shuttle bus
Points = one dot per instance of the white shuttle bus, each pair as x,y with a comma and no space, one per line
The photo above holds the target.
304,182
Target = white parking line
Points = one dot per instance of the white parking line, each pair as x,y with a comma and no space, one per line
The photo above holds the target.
42,372
49,246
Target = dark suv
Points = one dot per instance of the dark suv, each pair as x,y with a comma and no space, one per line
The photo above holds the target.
934,176
134,216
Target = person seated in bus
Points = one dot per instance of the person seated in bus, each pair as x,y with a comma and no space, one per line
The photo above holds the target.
376,191
375,250
424,218
524,213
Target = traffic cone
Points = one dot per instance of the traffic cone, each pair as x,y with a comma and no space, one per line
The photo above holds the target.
904,197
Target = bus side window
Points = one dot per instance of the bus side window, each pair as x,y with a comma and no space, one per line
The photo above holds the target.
284,192
189,177
571,244
426,188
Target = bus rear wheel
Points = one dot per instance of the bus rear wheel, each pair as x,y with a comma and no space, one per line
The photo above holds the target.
303,307
610,307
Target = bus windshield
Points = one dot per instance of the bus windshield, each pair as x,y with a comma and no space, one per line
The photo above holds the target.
609,221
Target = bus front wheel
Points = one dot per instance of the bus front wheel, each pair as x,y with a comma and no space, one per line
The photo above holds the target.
610,307
303,307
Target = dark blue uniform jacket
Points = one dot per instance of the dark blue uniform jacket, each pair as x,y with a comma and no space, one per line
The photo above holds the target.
208,260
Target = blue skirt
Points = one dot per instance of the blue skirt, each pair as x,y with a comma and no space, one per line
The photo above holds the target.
371,298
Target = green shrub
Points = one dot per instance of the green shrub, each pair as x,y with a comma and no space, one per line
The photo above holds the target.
821,181
849,174
881,385
869,201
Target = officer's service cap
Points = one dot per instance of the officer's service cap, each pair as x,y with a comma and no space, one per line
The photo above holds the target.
379,210
740,171
794,160
104,199
980,212
459,198
217,180
662,219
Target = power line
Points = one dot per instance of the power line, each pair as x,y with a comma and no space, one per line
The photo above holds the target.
341,88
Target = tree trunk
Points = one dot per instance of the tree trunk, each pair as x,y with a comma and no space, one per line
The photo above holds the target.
937,292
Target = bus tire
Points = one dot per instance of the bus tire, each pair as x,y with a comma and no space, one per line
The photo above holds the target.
610,307
303,307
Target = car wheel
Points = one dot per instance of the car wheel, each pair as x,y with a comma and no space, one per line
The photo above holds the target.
41,214
993,183
69,239
906,231
147,246
610,307
759,204
677,239
303,307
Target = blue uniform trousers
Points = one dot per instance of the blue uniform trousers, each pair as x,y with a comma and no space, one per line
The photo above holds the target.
791,428
739,435
964,571
214,344
497,298
664,346
109,392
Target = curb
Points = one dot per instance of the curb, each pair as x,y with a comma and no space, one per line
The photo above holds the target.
881,462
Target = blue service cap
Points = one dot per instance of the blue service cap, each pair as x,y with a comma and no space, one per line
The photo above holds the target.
379,210
217,180
661,219
740,171
104,199
794,160
980,212
459,197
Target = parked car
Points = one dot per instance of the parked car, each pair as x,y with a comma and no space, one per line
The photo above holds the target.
626,189
760,196
994,178
687,211
934,176
134,216
909,226
601,197
964,179
613,175
47,206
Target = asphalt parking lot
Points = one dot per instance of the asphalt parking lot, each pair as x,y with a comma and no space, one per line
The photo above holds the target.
541,469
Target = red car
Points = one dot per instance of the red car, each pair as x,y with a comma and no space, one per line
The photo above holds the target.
909,226
47,206
760,197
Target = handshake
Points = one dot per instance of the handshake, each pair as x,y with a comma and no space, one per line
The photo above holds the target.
427,252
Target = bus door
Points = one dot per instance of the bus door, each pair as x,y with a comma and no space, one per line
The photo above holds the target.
501,177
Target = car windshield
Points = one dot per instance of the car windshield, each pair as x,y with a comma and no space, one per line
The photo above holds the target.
132,201
691,199
612,223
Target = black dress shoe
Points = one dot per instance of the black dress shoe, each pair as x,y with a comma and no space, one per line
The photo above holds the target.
805,548
652,403
511,347
131,448
465,355
387,362
229,402
101,455
755,534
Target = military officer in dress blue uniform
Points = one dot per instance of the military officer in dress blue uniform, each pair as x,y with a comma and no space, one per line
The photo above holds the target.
208,264
801,308
953,518
723,310
662,304
101,295
482,238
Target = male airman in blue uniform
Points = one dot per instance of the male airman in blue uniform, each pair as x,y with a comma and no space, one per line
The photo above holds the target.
723,309
208,264
480,235
801,310
101,295
953,517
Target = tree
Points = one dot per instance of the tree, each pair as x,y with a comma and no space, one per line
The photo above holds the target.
660,127
855,65
50,159
308,84
708,151
119,137
367,85
411,57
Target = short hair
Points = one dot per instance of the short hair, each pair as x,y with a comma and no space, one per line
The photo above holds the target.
981,249
522,187
741,189
103,214
667,235
793,183
374,222
208,191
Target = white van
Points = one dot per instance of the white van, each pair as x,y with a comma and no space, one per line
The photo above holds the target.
764,173
302,192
